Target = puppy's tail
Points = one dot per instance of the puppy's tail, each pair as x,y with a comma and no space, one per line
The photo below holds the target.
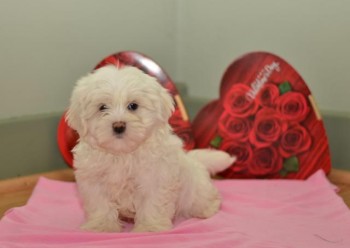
214,160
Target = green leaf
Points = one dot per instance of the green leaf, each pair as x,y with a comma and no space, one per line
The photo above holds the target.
291,164
284,87
283,172
216,141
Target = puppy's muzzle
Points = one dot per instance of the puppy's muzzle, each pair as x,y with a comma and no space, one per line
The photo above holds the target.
119,127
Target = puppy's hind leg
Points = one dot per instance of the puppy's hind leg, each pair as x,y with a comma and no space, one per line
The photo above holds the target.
199,197
206,201
206,198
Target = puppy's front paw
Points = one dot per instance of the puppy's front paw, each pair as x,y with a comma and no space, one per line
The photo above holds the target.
102,226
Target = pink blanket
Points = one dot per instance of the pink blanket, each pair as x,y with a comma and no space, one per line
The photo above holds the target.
254,213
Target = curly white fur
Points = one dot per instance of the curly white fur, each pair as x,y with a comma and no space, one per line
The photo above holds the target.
139,172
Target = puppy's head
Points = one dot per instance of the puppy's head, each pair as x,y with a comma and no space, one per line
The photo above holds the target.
118,109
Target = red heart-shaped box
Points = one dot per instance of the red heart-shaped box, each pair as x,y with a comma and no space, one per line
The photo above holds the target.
67,137
267,117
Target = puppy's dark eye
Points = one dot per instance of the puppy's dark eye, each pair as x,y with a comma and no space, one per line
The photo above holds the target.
103,107
133,106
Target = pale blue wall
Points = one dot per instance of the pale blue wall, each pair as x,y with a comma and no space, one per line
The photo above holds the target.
313,35
46,45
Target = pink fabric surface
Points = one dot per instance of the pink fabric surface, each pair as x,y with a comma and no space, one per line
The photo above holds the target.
254,213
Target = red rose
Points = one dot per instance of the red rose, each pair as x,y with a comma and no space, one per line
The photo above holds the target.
243,152
292,106
237,104
268,95
294,141
267,128
265,161
234,128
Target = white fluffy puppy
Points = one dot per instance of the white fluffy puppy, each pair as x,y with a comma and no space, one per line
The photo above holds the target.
128,162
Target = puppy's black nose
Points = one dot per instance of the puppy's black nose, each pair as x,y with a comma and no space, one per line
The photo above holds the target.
119,127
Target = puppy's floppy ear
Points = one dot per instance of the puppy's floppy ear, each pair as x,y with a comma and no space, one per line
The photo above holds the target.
75,114
166,104
162,100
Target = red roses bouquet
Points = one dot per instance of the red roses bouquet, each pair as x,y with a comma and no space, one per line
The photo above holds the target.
265,132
